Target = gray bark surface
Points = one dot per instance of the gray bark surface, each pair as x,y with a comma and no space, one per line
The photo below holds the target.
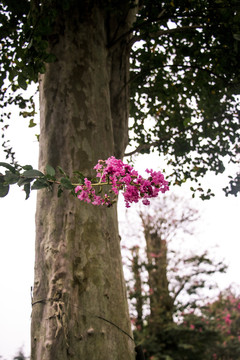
79,302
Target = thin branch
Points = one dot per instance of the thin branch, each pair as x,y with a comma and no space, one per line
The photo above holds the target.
190,66
186,279
135,28
158,142
159,33
143,147
179,291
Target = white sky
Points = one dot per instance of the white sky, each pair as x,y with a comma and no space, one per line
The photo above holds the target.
17,217
219,225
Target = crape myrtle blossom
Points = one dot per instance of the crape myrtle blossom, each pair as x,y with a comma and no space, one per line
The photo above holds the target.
122,177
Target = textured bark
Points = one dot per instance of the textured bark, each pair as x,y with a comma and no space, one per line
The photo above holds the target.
79,305
119,70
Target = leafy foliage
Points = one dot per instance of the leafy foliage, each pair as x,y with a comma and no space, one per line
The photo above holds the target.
184,76
183,79
32,179
22,56
223,317
234,186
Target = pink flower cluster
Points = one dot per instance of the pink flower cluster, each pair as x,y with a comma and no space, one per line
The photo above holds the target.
87,193
122,177
227,319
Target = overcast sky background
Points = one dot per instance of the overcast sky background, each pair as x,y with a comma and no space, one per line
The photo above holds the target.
217,231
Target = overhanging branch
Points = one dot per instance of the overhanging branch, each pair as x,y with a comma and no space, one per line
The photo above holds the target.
159,33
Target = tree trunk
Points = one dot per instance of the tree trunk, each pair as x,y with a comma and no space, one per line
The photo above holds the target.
136,270
79,303
161,303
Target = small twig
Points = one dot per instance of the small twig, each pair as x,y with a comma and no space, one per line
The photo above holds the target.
110,322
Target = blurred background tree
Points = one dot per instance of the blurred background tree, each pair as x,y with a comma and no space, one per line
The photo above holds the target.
20,356
166,284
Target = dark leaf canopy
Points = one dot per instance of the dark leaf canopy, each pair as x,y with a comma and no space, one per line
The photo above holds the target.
184,81
185,74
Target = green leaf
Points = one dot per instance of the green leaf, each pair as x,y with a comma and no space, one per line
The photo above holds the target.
27,167
80,176
22,82
26,114
4,190
31,123
61,170
27,190
186,121
39,184
24,181
12,74
11,178
22,105
32,173
9,167
66,183
50,170
60,190
95,180
3,187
